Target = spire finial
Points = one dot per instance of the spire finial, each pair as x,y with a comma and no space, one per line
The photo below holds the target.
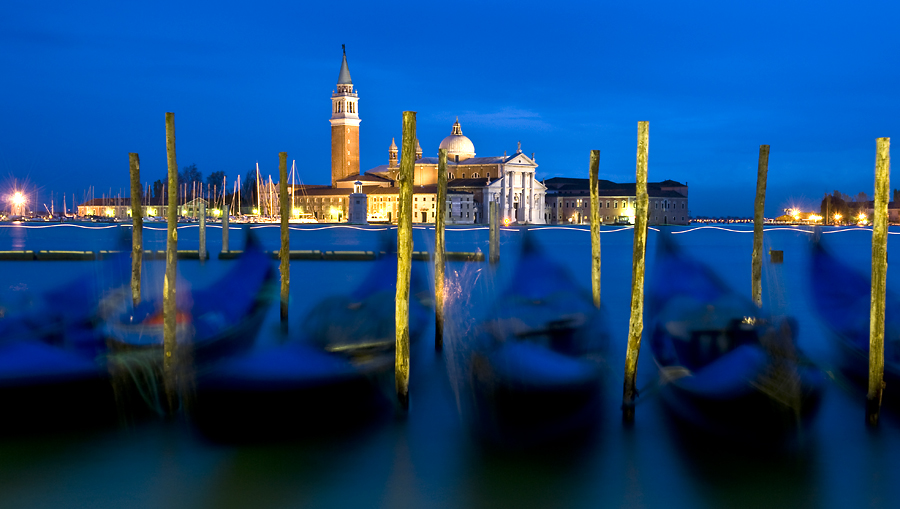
344,76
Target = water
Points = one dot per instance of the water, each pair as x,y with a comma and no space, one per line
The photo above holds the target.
426,458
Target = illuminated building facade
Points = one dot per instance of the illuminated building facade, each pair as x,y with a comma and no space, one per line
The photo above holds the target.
569,202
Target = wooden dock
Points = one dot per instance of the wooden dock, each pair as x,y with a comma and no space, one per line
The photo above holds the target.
150,255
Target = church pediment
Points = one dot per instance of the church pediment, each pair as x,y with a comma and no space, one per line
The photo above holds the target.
521,160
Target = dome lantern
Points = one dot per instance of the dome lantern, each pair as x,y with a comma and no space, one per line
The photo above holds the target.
459,147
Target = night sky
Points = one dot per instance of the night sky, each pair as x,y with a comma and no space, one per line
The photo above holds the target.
84,84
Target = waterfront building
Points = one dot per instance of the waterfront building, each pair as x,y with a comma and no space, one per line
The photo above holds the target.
120,208
569,202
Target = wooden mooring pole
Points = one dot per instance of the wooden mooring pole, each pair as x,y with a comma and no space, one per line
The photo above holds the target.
137,227
404,258
879,281
170,345
285,253
636,323
201,251
594,174
758,218
439,250
225,230
493,233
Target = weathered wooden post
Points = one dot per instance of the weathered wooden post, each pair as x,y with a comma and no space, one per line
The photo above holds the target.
879,282
137,227
758,218
202,250
493,235
404,258
636,324
285,253
594,173
225,231
439,250
170,345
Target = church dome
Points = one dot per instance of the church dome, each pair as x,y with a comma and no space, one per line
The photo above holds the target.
457,144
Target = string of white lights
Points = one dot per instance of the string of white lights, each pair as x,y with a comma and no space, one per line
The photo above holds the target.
28,226
794,229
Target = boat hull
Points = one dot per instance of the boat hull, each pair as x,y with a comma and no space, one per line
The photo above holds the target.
283,393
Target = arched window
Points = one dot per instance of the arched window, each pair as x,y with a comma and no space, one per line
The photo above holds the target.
474,175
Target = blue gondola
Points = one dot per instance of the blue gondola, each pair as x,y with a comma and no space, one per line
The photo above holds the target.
53,374
362,321
538,359
726,367
332,377
842,297
83,352
216,321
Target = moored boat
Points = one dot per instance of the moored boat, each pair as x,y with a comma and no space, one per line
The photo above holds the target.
362,321
841,296
331,377
212,322
537,361
286,392
53,371
726,367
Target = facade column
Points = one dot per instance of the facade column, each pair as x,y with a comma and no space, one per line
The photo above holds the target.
543,201
512,197
530,197
503,183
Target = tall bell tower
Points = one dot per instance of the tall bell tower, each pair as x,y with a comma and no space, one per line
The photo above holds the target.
344,126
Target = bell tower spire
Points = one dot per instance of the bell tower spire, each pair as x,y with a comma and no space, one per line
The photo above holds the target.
344,126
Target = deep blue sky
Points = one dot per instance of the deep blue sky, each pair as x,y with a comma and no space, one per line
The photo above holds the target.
83,84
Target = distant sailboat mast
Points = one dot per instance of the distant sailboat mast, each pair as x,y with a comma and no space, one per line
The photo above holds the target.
270,197
258,202
293,185
223,194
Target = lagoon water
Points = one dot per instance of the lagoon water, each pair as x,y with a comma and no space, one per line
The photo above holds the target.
426,457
